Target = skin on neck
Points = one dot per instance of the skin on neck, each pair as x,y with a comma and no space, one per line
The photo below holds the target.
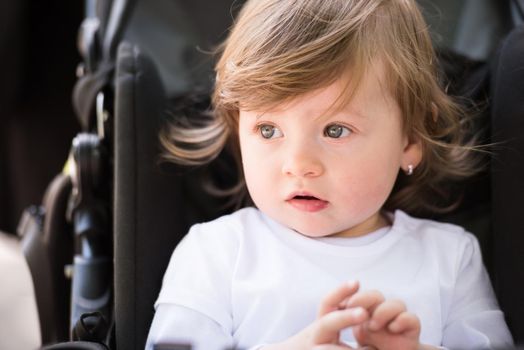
375,222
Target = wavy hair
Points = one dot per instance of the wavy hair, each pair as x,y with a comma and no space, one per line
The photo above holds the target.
280,49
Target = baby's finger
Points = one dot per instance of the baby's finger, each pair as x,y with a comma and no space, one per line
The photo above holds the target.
329,325
369,300
332,301
405,323
385,313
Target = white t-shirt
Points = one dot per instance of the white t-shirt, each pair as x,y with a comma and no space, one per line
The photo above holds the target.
246,280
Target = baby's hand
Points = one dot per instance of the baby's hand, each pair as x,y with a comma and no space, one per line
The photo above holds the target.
334,307
390,326
333,317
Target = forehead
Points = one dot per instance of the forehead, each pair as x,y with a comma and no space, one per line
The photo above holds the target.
359,93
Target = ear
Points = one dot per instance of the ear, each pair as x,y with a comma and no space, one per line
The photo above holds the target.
412,153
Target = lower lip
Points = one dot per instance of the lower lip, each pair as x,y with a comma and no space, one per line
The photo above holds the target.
309,205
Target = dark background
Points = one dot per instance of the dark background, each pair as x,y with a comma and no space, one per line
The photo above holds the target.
38,56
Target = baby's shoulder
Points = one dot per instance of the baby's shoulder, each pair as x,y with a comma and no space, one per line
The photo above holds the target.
218,240
240,219
434,232
230,227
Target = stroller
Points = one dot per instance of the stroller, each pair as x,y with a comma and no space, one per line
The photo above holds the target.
114,217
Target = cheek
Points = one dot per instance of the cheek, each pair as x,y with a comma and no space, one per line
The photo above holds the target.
363,191
255,168
247,159
368,180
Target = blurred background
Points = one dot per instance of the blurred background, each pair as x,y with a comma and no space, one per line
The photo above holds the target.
38,56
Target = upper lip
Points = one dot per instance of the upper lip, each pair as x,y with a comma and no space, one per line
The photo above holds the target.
302,194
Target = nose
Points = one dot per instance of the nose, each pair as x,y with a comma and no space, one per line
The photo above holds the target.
302,161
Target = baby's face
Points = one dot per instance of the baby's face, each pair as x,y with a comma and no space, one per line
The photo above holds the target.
322,171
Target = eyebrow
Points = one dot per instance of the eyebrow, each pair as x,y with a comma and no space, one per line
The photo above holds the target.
345,110
334,111
352,111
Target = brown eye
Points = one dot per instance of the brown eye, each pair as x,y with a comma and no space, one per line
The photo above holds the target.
336,131
269,131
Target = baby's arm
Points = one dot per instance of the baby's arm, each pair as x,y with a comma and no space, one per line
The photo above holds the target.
174,324
333,317
474,320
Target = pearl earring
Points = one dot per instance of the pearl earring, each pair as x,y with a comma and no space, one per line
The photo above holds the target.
410,170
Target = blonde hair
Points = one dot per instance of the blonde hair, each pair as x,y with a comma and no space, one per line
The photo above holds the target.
280,49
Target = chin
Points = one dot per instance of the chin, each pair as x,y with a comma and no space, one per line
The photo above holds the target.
312,231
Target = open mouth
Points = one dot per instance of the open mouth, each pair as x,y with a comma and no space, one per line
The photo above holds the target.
305,197
307,202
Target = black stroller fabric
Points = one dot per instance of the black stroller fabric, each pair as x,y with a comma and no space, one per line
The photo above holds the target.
142,195
155,203
507,178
